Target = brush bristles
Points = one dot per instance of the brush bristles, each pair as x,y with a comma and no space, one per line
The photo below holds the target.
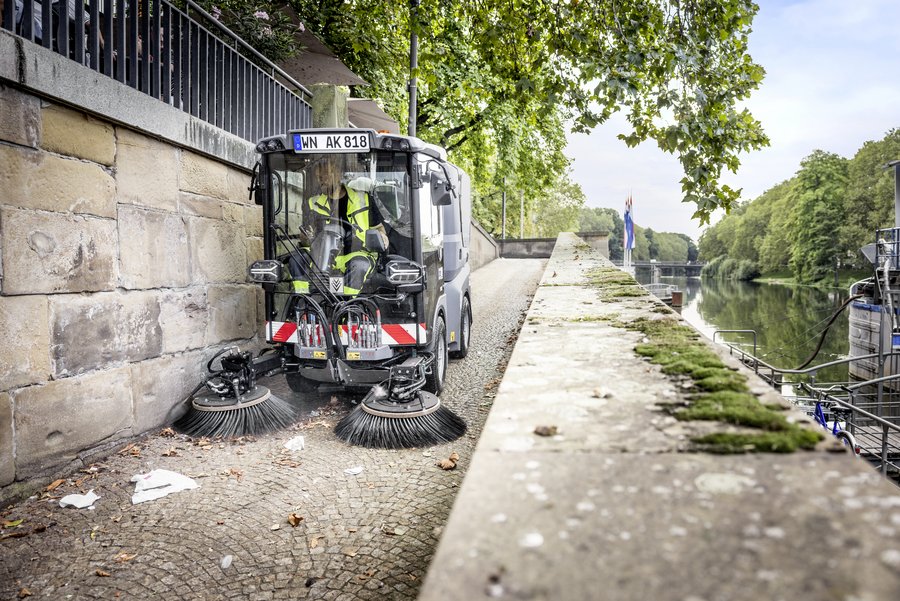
376,432
271,414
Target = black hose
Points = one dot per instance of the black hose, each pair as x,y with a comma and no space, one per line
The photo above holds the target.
825,331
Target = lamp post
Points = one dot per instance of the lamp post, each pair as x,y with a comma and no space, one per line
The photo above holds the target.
413,64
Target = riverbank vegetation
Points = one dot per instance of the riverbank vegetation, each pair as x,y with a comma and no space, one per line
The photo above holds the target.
811,226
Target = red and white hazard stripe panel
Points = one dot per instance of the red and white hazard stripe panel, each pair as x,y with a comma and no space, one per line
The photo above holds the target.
392,334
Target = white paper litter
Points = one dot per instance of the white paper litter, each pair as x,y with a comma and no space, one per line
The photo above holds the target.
158,484
79,501
295,444
226,562
353,471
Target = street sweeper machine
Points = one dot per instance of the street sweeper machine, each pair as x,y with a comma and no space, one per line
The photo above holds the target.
366,280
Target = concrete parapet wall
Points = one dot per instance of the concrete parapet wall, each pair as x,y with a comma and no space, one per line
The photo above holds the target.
482,247
123,262
615,500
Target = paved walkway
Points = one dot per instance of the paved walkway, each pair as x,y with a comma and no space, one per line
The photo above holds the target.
365,536
619,504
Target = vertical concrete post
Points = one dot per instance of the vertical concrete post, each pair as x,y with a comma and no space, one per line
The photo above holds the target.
329,105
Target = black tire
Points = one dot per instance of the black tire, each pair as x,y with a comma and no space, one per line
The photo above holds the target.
465,330
434,381
298,383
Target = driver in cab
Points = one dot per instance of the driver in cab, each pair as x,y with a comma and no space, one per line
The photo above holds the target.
341,218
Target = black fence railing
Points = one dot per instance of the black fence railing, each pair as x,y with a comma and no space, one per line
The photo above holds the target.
171,55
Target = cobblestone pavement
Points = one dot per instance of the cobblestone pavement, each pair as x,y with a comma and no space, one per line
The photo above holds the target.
366,536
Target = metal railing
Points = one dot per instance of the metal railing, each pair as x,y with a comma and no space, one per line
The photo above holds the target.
869,410
171,55
877,437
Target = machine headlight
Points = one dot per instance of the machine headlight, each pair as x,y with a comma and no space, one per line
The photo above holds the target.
404,272
263,272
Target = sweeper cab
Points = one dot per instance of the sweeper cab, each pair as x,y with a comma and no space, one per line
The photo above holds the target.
365,268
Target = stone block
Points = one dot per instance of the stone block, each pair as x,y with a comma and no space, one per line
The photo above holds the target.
75,134
203,176
101,330
160,385
232,313
200,206
7,459
253,221
21,122
146,171
25,357
183,316
54,421
233,212
254,249
155,249
218,251
237,184
55,252
37,180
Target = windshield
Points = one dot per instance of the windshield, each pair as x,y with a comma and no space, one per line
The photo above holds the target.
338,196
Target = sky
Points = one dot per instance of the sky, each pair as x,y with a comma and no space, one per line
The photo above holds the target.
832,83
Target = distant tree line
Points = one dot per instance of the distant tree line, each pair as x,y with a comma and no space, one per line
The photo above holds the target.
648,244
812,224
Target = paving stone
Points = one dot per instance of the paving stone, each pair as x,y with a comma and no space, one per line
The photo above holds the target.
179,536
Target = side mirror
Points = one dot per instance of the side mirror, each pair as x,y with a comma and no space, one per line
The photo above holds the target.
256,191
441,190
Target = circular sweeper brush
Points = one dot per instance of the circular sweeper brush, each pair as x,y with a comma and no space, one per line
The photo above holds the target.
234,404
384,421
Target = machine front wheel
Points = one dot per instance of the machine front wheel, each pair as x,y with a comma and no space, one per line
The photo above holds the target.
434,381
465,330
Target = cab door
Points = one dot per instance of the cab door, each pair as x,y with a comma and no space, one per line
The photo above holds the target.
432,241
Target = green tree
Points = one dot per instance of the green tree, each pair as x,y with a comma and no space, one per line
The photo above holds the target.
869,202
821,185
652,244
499,79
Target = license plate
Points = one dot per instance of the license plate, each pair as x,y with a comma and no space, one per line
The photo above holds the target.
342,142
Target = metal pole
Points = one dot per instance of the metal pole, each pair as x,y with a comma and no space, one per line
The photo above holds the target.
521,214
413,63
896,165
503,213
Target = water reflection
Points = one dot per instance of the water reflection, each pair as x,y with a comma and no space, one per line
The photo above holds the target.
788,320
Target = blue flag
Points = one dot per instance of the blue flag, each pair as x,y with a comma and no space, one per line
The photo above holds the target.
629,225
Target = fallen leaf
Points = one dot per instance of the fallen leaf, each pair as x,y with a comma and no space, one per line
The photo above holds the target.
220,522
275,527
367,575
554,275
238,474
24,592
449,463
55,484
545,430
167,432
126,449
350,551
170,452
352,529
123,557
116,519
12,524
294,519
411,576
334,400
102,573
314,542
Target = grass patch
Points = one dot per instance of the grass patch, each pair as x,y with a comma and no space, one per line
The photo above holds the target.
720,393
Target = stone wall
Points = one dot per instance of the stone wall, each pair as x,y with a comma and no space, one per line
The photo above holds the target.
123,264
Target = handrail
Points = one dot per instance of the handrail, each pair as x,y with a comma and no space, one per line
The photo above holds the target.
275,68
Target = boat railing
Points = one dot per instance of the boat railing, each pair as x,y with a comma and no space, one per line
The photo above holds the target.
661,290
850,408
868,410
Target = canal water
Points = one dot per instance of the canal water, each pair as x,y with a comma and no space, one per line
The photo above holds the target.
788,320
